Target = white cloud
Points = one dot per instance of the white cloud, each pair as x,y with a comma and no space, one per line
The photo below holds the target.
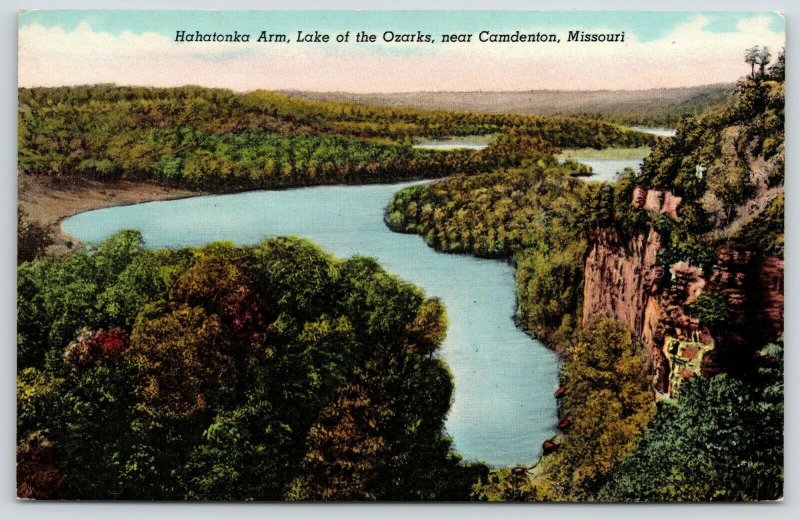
689,55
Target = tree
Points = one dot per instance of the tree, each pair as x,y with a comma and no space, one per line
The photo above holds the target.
778,71
610,401
763,60
711,309
32,237
751,57
729,181
180,360
230,373
722,440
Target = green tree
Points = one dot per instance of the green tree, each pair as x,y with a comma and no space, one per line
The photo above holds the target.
610,402
764,57
180,360
232,374
751,57
722,440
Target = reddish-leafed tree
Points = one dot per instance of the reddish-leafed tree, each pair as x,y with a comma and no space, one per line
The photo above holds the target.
39,474
94,346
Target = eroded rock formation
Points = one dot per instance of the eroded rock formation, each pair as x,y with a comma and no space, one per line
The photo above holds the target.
623,279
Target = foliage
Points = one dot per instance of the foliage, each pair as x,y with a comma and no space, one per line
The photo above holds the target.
691,251
550,285
265,372
32,237
725,141
217,140
710,308
610,401
534,215
765,231
505,485
722,440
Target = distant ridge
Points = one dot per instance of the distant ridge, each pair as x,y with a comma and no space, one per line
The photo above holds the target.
652,106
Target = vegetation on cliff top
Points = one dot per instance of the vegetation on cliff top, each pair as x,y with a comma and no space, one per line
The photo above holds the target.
721,441
728,164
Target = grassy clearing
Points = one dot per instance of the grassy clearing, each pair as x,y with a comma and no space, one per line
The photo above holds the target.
465,139
605,154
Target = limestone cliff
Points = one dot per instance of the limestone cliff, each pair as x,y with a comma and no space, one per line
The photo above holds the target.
623,279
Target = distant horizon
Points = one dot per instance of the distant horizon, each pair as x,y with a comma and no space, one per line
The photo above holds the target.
345,92
554,90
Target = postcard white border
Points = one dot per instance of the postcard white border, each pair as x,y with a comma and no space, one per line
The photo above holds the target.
10,507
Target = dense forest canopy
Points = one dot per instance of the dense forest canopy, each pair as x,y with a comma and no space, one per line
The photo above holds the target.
220,141
266,372
535,216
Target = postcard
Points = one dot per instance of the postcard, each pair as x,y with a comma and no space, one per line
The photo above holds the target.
400,256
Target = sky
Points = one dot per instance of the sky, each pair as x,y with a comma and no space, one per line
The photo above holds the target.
661,49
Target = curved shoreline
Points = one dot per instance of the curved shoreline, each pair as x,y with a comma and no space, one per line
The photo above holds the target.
51,200
463,350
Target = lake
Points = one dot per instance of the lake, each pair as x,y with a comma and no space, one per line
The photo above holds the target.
605,170
608,162
467,142
503,406
661,132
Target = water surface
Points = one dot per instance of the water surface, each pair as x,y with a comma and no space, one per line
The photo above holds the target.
661,132
606,170
503,406
607,163
468,142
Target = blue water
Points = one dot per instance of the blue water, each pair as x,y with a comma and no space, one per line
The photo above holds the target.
606,170
449,146
503,406
661,132
471,142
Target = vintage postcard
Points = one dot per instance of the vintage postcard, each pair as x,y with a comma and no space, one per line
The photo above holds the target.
400,256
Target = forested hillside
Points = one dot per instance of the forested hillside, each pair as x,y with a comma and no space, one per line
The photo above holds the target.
218,140
535,216
712,196
223,373
655,107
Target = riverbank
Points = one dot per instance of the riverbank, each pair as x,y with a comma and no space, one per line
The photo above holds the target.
50,199
504,376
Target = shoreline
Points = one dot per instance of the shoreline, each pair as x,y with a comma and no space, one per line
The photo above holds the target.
50,200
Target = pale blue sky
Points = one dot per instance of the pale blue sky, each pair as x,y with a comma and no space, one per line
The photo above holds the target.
661,49
647,25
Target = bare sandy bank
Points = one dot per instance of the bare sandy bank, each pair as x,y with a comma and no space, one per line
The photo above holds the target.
49,199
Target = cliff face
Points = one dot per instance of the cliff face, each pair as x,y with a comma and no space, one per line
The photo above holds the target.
623,279
656,201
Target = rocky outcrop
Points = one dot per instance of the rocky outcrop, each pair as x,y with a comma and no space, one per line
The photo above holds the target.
623,280
663,202
619,277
